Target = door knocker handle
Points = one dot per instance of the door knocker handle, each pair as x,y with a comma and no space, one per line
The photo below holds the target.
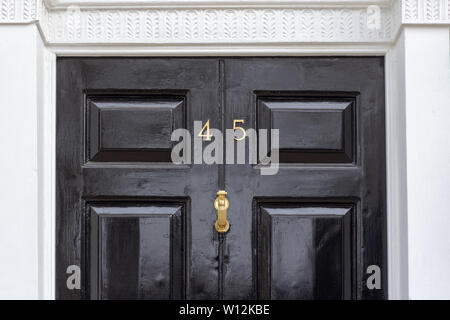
221,204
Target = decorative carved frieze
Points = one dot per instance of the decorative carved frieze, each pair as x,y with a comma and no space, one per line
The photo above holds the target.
217,25
426,11
18,11
203,22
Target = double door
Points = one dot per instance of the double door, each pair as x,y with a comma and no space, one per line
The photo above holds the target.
139,226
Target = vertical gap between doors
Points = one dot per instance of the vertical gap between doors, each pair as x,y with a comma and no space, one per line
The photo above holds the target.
221,179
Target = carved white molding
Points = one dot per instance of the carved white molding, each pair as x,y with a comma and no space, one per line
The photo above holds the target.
426,11
224,21
207,3
19,11
215,26
198,22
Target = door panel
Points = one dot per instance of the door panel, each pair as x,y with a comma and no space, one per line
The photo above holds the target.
132,128
315,130
141,227
135,249
304,252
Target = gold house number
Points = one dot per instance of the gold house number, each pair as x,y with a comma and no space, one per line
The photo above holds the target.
208,135
239,128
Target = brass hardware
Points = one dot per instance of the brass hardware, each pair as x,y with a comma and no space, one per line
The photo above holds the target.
244,133
207,136
221,204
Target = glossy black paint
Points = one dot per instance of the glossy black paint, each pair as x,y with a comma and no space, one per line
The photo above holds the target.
122,178
129,129
315,130
141,227
304,252
320,179
137,251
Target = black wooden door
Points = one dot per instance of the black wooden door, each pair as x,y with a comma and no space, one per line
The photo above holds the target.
137,225
318,223
140,227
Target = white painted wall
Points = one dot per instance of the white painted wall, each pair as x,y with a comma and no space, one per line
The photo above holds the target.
418,133
427,93
18,162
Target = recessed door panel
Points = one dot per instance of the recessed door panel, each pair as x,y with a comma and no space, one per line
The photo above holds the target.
304,252
137,251
132,128
316,129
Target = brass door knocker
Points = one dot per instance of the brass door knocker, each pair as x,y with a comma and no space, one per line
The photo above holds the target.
221,204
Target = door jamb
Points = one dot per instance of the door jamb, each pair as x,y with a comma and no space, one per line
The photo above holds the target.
47,138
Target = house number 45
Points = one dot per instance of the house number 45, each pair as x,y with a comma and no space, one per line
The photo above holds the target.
204,133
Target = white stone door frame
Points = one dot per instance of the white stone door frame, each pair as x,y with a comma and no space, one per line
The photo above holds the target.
413,35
